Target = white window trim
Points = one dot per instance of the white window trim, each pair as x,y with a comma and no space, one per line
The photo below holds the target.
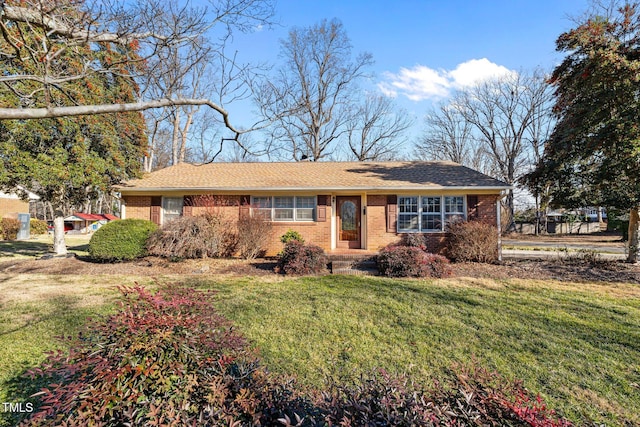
419,213
295,209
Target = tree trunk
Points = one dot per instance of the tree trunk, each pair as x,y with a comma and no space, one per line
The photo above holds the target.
59,245
634,236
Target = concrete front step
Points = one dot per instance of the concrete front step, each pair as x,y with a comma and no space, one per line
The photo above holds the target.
365,267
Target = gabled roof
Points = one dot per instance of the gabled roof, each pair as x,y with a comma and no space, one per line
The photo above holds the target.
313,176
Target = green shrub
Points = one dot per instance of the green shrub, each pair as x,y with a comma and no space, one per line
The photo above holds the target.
291,235
619,225
298,258
254,233
473,241
188,237
121,240
411,261
9,228
38,226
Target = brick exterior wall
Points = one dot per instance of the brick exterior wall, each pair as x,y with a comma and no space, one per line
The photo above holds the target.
11,207
378,236
319,233
138,207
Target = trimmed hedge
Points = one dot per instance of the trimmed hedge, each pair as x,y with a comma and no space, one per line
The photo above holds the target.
38,226
298,258
9,228
121,240
411,261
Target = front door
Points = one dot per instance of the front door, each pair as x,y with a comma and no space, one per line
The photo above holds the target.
348,209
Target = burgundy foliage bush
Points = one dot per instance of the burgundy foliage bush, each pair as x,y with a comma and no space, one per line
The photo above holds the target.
300,258
411,261
474,397
164,359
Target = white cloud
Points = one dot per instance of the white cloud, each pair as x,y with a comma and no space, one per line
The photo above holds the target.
421,82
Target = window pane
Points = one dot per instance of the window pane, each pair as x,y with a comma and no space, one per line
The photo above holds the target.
172,208
408,222
305,202
262,202
408,204
431,222
454,204
283,202
304,214
283,214
431,204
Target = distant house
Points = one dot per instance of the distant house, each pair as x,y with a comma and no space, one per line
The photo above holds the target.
335,205
82,223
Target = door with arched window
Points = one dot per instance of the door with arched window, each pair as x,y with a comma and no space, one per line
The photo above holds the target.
348,210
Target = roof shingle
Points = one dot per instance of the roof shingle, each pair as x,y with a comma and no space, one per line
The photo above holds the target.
312,175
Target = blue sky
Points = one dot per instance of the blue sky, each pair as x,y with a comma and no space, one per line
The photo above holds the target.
424,49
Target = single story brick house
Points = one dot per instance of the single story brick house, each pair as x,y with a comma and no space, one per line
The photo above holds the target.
335,205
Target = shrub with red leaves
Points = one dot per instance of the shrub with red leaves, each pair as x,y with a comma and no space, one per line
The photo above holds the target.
474,397
411,261
300,258
164,359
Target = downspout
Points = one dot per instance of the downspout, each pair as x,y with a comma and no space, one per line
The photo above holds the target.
499,223
499,220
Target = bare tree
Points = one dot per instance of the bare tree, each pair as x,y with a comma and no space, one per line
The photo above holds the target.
309,98
502,113
375,129
141,32
449,136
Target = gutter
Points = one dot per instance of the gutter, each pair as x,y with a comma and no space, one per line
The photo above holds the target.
124,189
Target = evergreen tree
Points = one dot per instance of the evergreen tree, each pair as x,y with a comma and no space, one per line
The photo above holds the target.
68,160
593,154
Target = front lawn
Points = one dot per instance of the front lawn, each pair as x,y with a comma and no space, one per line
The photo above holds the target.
576,344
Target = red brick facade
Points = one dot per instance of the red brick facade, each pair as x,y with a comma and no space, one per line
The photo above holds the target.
379,217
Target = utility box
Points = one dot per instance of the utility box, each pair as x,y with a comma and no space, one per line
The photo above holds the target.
25,228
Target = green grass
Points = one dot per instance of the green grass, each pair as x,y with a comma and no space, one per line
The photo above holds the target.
36,312
576,344
42,244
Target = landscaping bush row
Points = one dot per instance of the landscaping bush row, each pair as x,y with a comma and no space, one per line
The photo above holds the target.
210,235
169,359
472,241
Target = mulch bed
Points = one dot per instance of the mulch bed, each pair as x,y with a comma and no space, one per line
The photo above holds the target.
570,271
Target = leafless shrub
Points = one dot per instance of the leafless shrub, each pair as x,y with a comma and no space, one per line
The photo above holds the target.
254,233
473,241
204,236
